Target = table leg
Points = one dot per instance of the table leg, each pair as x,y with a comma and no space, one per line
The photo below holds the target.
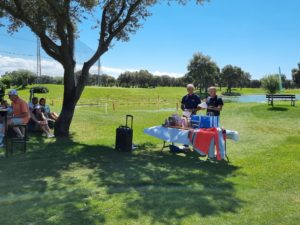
226,151
164,146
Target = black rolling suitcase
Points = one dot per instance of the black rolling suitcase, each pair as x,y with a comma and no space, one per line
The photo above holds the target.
124,136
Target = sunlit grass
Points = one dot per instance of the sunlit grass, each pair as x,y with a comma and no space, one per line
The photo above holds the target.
85,181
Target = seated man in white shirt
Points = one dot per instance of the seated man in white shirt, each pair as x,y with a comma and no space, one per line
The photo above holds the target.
34,102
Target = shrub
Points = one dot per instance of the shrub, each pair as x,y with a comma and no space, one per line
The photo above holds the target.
271,83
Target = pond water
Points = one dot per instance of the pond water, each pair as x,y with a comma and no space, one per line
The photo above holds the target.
250,98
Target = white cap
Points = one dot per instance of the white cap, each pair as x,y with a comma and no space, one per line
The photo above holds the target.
13,92
37,107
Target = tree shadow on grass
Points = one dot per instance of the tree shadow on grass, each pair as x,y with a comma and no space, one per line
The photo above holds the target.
67,183
278,109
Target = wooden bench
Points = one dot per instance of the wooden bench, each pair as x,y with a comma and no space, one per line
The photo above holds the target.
271,98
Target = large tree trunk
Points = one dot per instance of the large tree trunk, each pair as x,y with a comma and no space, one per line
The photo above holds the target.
72,93
62,125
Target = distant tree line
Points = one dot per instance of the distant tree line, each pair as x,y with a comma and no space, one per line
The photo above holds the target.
202,71
22,78
136,79
144,79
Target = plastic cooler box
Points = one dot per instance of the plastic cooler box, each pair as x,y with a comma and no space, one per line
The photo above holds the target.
198,121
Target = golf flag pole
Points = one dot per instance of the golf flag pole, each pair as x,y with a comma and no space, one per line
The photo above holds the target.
280,79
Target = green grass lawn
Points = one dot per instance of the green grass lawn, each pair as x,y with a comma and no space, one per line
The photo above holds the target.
84,181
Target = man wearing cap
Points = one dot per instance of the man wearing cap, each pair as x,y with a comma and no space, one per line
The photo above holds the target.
190,102
20,112
214,103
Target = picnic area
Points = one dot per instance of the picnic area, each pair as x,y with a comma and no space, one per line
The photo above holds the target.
85,181
149,112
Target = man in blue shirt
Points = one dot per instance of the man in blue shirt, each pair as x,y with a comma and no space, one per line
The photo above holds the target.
214,103
190,101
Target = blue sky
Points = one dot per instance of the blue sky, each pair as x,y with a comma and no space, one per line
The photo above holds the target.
257,35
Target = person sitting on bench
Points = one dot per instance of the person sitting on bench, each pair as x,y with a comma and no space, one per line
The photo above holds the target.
20,113
41,122
33,103
46,110
32,124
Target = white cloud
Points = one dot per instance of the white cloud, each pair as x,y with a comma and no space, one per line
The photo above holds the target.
110,70
159,73
53,68
8,64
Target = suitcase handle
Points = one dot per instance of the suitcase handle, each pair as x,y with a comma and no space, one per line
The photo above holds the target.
131,117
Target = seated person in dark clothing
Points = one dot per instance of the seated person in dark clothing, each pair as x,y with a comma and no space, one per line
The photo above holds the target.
190,102
214,103
39,122
32,124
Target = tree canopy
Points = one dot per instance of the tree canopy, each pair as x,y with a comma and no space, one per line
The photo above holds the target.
202,70
234,76
55,22
19,78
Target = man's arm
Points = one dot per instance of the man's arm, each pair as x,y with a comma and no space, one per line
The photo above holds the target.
33,117
219,107
183,103
182,107
198,101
